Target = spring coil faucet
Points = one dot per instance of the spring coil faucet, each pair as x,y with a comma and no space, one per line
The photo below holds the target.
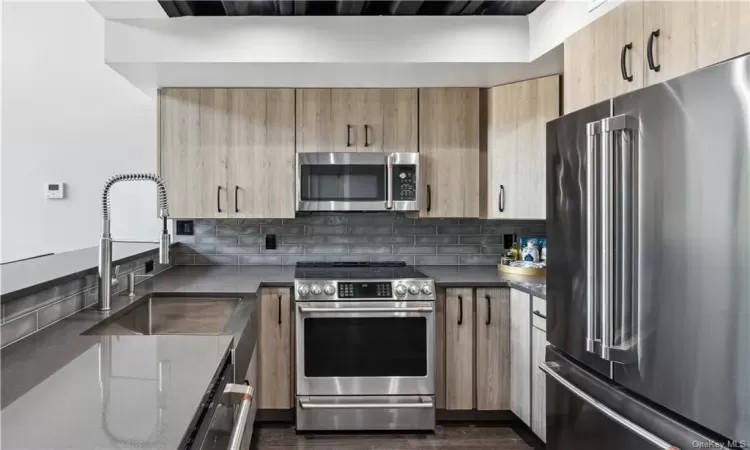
106,280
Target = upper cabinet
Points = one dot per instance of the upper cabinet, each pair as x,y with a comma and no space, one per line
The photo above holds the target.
449,139
641,43
517,116
227,152
605,58
357,120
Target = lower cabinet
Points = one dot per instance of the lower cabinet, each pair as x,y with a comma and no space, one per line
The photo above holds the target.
473,335
275,349
520,355
538,384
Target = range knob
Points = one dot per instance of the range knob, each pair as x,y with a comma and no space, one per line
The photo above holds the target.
400,290
316,289
329,289
414,289
303,290
426,289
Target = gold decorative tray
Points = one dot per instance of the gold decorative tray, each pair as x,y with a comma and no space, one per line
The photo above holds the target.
523,271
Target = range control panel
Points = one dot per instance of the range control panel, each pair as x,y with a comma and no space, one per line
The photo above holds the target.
377,289
357,290
404,182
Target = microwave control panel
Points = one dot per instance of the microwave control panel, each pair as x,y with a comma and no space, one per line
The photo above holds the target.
404,182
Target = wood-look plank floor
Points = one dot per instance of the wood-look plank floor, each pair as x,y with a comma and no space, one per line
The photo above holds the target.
444,438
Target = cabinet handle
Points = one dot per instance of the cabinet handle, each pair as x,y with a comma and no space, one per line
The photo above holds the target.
650,51
623,69
489,310
367,135
348,135
460,309
218,199
429,198
236,204
279,309
501,199
539,314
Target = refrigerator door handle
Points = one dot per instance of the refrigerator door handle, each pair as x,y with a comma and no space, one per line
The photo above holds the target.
550,370
593,132
619,205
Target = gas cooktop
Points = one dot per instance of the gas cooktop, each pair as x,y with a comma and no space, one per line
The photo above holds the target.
389,270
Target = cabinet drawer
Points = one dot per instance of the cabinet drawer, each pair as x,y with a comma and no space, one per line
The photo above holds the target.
539,313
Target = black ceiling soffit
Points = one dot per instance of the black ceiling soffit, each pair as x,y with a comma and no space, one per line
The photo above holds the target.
180,8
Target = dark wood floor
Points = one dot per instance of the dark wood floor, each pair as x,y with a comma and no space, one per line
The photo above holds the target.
445,437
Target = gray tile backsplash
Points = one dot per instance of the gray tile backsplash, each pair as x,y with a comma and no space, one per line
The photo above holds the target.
350,237
26,315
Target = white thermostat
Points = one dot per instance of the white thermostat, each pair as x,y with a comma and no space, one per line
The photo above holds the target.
54,190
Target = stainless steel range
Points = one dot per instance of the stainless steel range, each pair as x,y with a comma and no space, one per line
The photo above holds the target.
365,352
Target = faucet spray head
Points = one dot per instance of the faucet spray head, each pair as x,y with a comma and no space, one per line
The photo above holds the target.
164,242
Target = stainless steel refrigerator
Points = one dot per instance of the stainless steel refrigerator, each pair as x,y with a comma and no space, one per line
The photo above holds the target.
648,285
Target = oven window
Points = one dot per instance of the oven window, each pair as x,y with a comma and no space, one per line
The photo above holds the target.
366,347
364,183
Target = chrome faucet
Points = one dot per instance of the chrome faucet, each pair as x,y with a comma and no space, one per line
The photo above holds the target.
105,244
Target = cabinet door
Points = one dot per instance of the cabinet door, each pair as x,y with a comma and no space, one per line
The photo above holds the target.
516,144
459,348
315,131
275,350
722,30
538,384
611,33
493,349
261,153
193,143
449,148
520,355
400,124
674,50
579,70
348,120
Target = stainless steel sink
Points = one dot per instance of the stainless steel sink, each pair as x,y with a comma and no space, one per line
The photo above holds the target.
153,315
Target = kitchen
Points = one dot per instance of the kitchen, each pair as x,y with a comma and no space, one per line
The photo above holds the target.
329,235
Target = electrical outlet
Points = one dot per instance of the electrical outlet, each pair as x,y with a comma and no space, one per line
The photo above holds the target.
270,242
149,266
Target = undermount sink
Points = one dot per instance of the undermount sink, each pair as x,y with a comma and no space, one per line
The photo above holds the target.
154,315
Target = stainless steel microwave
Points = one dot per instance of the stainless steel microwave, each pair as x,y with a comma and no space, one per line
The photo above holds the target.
357,181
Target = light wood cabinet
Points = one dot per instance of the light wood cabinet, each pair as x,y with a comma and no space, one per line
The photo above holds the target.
449,152
356,120
673,44
517,116
193,148
538,384
493,349
275,349
723,30
459,348
228,152
520,355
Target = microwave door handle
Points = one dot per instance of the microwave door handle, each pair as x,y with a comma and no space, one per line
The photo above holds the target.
389,182
593,131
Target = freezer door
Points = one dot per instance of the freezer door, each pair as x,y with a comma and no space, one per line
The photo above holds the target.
693,257
573,319
588,412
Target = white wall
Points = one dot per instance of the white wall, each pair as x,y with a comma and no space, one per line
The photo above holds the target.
68,117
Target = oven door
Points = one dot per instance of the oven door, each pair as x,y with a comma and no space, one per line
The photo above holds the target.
357,181
365,348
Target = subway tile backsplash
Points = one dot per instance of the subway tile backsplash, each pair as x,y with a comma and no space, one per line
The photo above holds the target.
350,237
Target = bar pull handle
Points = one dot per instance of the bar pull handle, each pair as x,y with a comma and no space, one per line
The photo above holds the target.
236,202
367,135
539,314
623,69
319,309
650,51
279,309
218,199
593,131
242,395
489,310
388,180
460,309
501,199
429,198
549,369
310,405
348,135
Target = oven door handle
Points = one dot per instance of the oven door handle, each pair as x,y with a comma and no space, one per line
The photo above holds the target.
310,405
317,309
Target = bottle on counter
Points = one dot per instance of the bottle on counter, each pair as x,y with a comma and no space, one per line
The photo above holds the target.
544,251
515,249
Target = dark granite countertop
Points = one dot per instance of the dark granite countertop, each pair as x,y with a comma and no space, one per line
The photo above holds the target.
24,277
